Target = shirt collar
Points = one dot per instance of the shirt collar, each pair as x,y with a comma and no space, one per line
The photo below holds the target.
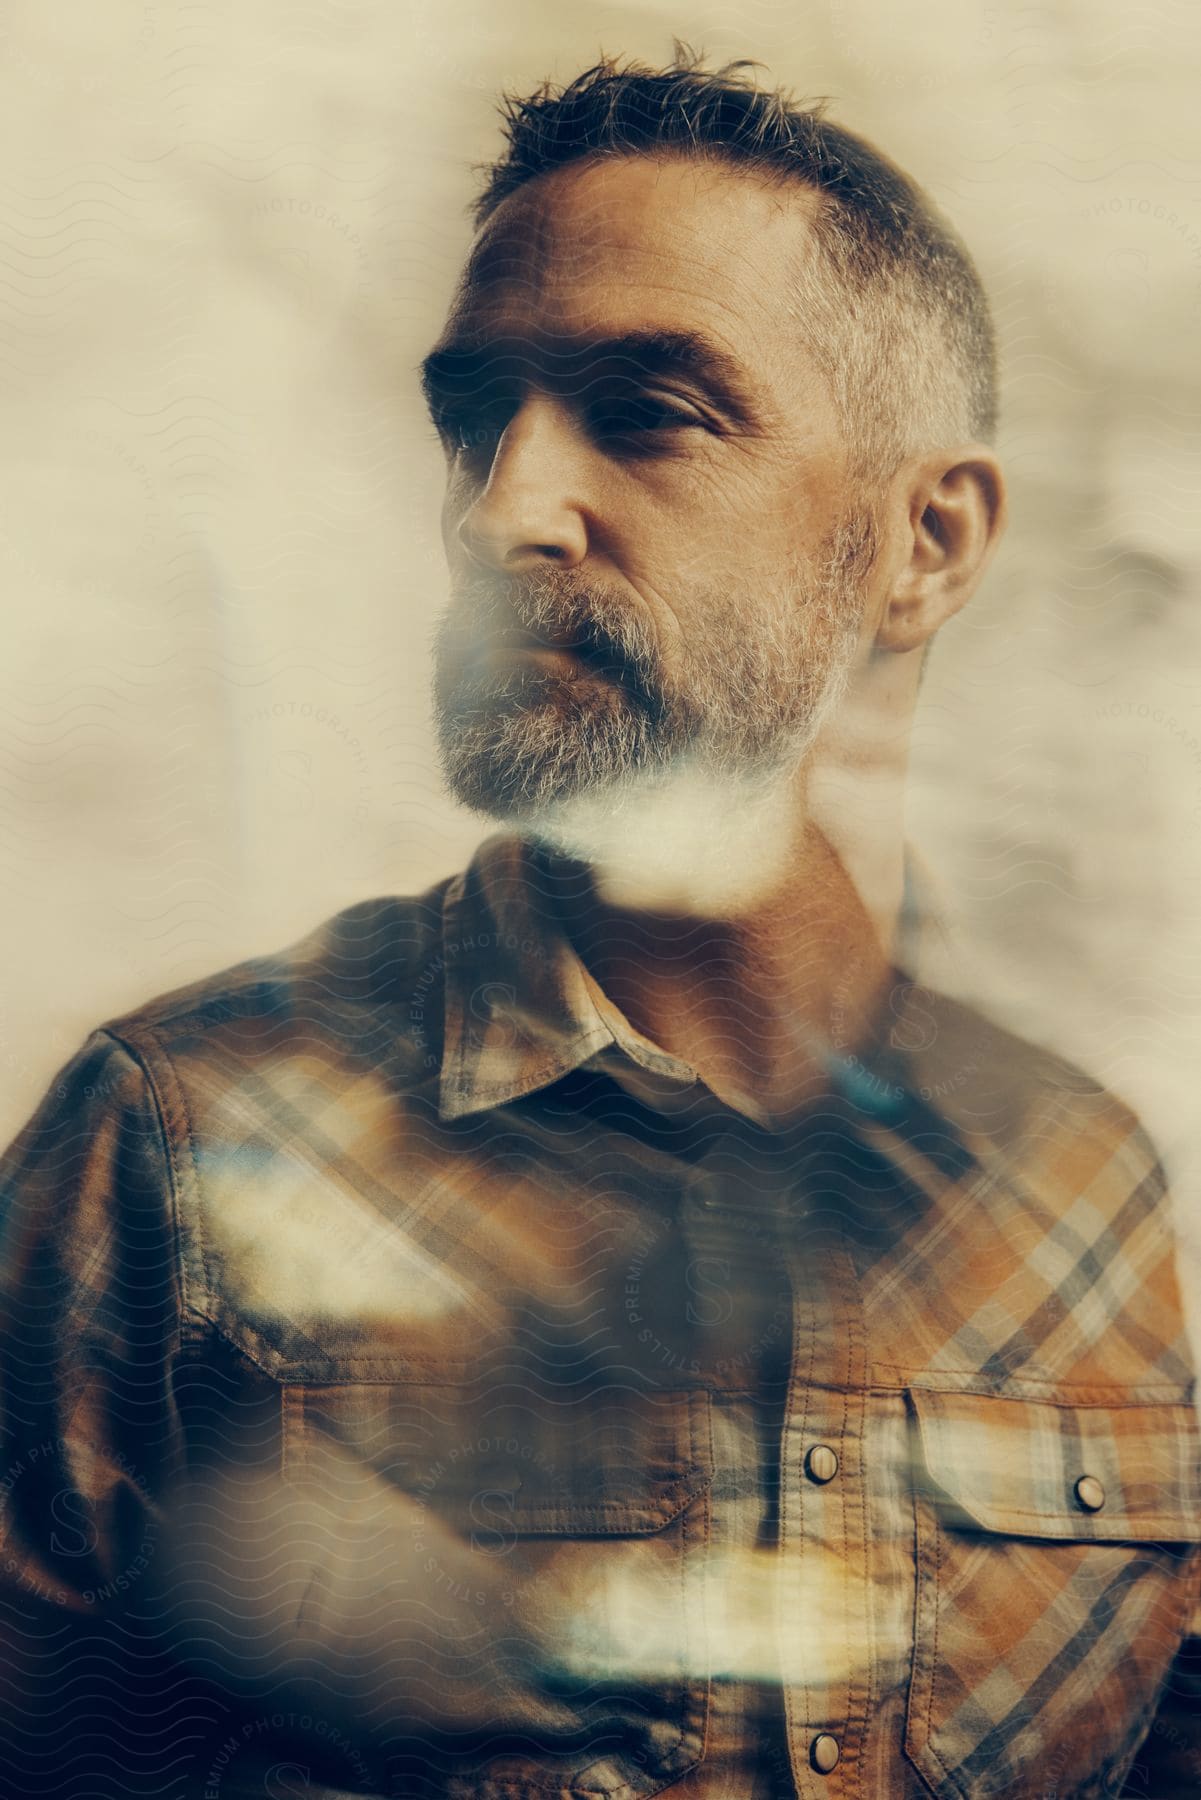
522,1010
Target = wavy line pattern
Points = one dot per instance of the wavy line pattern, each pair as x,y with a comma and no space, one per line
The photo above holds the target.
227,238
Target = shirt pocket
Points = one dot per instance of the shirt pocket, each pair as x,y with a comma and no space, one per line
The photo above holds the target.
577,1528
1055,1560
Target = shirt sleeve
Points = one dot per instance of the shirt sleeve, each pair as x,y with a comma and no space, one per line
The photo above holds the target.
89,1338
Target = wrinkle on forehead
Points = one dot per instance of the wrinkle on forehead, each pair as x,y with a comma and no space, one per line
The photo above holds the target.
656,239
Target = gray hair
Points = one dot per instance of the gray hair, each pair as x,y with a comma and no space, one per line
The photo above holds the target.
902,333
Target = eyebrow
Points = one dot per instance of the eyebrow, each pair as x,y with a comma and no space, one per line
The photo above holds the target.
459,368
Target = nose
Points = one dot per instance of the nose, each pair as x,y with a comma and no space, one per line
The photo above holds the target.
529,512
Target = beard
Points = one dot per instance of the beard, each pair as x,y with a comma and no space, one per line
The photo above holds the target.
749,688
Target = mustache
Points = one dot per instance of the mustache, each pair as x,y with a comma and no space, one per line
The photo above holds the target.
559,610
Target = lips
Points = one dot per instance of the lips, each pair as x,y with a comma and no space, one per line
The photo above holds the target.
520,639
565,648
565,643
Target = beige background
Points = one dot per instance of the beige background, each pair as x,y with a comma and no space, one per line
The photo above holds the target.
228,231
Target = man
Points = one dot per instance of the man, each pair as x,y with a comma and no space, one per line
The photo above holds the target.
600,1327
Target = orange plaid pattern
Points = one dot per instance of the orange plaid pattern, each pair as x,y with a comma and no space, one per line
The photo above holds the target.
560,1431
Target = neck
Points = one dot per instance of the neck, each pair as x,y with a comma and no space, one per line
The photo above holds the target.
733,933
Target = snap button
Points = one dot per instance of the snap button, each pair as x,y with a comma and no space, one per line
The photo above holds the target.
824,1753
1090,1494
821,1465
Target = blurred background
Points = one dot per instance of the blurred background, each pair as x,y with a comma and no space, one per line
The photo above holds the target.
228,231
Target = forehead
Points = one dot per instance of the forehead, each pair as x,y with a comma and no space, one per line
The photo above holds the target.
641,243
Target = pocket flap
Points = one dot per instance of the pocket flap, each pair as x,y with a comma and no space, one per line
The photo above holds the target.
614,1463
1037,1469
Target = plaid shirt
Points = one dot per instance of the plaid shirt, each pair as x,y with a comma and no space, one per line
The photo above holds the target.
417,1381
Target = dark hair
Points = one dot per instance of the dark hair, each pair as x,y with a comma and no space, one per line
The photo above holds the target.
902,332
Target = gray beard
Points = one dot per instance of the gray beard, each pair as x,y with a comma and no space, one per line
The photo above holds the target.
530,747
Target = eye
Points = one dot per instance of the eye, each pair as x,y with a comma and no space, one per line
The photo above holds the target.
475,436
472,432
469,416
625,417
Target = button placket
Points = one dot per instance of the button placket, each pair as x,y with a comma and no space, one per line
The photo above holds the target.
823,1524
736,1290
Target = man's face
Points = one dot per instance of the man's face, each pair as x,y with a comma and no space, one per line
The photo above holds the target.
655,558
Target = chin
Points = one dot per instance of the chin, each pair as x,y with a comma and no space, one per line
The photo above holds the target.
534,798
534,759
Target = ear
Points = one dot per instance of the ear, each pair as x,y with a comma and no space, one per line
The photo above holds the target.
955,512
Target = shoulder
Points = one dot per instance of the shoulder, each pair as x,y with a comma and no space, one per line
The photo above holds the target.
337,999
350,979
243,1067
1041,1200
1032,1104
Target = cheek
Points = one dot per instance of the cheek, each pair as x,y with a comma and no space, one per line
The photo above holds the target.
687,541
742,526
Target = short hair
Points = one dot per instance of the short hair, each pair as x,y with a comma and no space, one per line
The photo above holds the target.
891,309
